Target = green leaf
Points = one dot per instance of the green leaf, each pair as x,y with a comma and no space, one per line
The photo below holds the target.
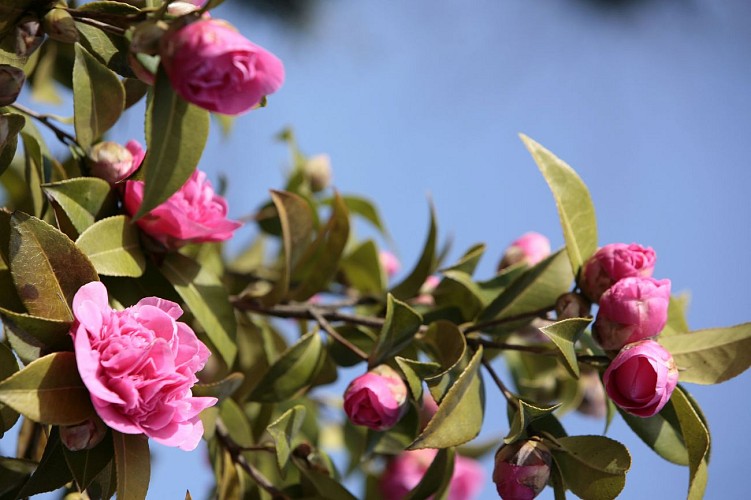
52,472
32,337
445,343
360,337
49,390
295,370
13,473
538,288
98,97
110,49
14,123
415,372
176,134
85,465
677,323
460,413
113,247
221,389
593,467
321,260
661,432
365,209
711,356
437,479
133,465
33,171
236,422
574,204
457,289
402,323
207,299
564,335
411,285
696,436
82,200
47,268
326,486
283,430
523,414
8,366
362,269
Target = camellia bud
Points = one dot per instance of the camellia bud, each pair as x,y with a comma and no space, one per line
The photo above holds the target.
631,310
612,263
11,81
29,36
83,436
572,305
641,378
182,8
60,26
389,263
112,162
530,248
522,469
318,172
147,36
377,399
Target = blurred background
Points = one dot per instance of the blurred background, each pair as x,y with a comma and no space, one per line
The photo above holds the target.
647,99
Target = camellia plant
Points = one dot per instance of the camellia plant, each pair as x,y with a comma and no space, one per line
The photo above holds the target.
123,322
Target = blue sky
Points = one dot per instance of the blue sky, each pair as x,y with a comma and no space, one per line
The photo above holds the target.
649,103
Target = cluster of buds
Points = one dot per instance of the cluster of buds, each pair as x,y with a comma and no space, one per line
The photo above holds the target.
633,310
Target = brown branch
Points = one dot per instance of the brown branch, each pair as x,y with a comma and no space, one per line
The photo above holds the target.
304,311
504,390
509,319
45,120
318,316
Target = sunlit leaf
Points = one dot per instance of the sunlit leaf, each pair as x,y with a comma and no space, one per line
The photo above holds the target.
696,436
82,199
283,430
8,366
402,322
524,414
564,335
113,247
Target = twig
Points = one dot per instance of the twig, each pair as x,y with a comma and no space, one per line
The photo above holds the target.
61,135
502,346
235,452
509,319
304,311
115,30
318,316
504,390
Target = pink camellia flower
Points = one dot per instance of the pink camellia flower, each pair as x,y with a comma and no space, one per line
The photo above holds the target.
530,248
405,471
139,365
389,263
213,66
641,378
612,263
112,162
425,296
194,214
631,310
377,399
522,470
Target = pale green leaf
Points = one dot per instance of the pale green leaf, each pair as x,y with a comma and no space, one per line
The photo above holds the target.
82,199
113,247
564,335
696,436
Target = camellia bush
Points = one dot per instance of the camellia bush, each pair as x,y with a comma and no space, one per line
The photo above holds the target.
124,323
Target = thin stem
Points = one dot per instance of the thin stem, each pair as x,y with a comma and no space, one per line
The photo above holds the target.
318,316
304,311
502,346
115,30
235,452
504,390
509,319
61,135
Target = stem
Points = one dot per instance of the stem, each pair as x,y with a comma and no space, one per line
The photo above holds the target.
534,349
235,452
61,135
318,316
305,311
509,319
504,390
115,30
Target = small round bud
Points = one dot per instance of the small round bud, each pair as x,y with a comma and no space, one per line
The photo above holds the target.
317,171
60,26
147,36
112,162
522,469
572,305
29,36
377,399
11,81
389,263
530,248
83,436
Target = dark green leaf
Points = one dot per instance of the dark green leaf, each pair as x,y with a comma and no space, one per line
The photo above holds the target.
445,343
295,370
711,356
573,201
362,269
523,414
82,200
457,289
52,472
133,465
326,486
222,389
33,171
13,473
176,134
48,390
415,372
113,247
98,97
14,123
402,323
411,285
283,430
85,465
593,467
564,335
460,413
47,267
357,336
32,337
8,366
207,299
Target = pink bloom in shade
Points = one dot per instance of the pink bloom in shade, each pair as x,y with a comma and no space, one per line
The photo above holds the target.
631,310
522,470
641,378
139,365
377,399
194,214
213,66
612,263
426,291
405,471
389,263
530,248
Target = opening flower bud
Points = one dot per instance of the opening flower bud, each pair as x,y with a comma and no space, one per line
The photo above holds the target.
29,36
317,171
522,469
112,162
389,263
377,399
572,305
60,26
530,248
83,436
11,82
